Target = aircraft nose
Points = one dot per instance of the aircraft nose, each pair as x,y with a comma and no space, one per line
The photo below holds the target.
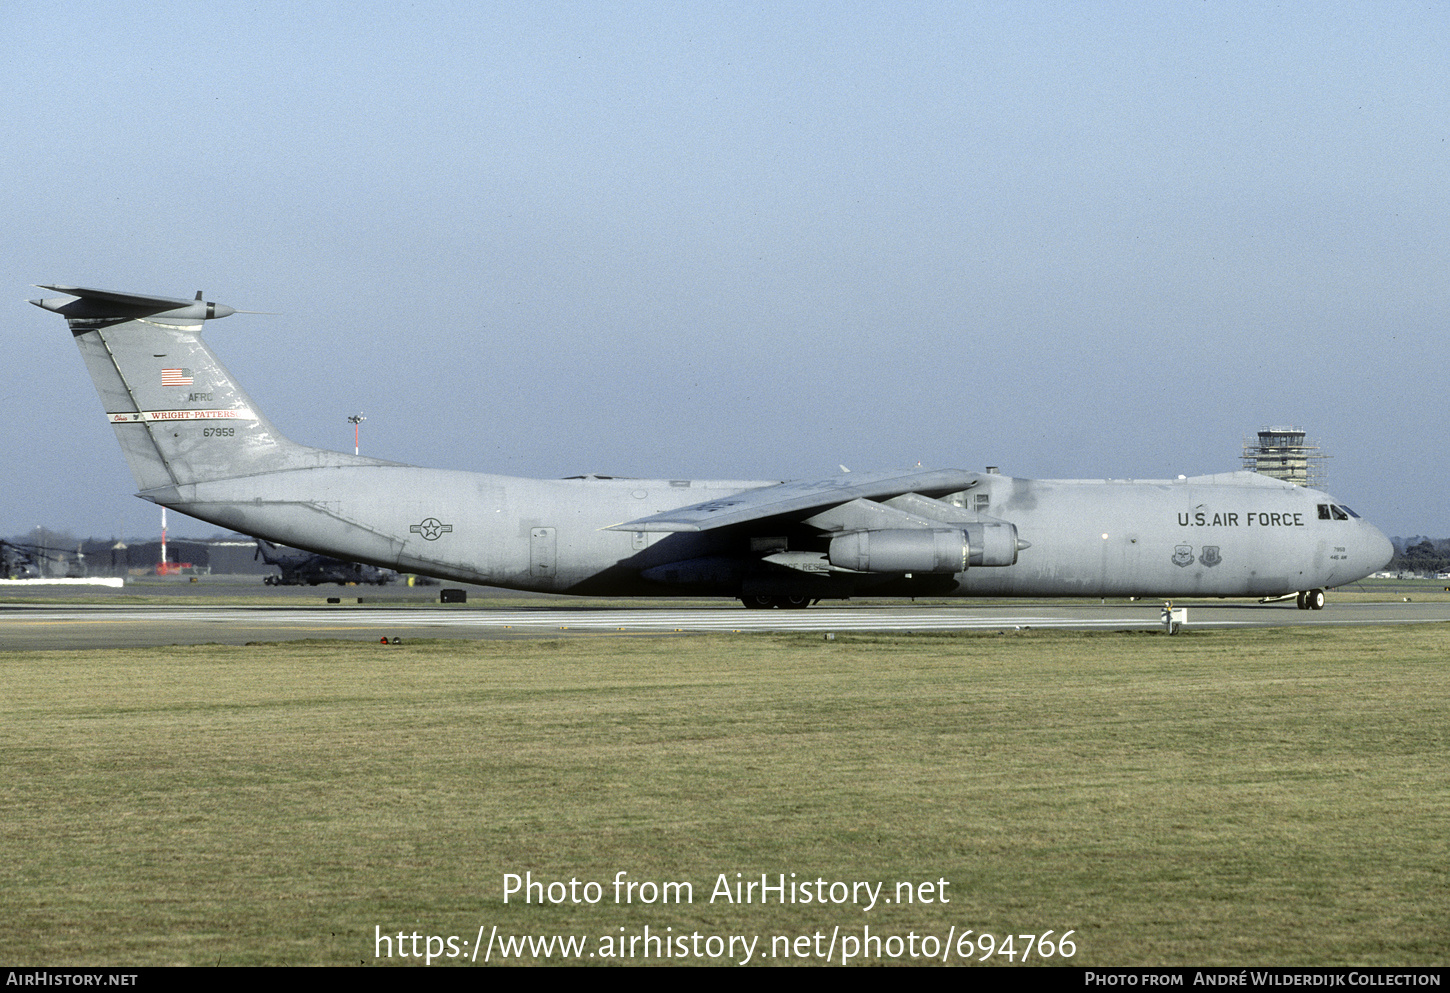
1377,547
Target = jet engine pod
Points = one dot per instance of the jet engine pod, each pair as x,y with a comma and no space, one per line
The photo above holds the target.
939,550
993,544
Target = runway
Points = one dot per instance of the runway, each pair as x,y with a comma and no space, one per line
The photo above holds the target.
31,627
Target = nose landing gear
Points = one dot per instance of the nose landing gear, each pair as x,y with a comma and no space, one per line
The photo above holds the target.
1310,600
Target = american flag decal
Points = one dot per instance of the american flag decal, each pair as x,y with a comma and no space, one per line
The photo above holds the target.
175,377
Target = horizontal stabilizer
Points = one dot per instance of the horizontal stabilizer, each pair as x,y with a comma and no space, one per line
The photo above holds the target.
108,304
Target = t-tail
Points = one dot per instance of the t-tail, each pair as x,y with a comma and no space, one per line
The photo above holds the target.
179,415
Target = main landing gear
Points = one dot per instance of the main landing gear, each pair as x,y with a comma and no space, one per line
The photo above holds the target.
763,602
1310,600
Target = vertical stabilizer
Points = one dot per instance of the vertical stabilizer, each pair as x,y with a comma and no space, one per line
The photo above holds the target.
179,415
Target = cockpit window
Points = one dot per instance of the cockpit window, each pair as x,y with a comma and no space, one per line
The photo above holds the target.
1339,514
1350,512
1324,511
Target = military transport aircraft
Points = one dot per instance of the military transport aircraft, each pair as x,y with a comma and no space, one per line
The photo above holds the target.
196,443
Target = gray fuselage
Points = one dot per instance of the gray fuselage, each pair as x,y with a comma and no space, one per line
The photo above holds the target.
1206,536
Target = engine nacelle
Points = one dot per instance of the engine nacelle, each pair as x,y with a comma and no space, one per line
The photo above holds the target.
934,550
994,544
939,550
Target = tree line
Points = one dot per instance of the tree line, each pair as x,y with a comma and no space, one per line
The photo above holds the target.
1420,554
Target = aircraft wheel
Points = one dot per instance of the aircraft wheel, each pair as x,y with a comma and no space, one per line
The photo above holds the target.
758,602
795,602
1315,599
1302,600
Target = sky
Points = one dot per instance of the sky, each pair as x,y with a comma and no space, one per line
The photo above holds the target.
746,241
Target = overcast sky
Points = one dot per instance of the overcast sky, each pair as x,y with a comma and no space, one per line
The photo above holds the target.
747,241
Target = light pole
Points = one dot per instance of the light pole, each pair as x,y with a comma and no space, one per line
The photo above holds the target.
355,420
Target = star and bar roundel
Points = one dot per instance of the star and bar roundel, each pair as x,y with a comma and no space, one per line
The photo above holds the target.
431,528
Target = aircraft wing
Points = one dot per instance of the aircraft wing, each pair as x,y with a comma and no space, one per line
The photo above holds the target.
798,498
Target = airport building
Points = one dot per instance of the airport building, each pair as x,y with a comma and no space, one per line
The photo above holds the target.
1285,453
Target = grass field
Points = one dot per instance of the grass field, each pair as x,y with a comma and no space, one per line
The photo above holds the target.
1268,796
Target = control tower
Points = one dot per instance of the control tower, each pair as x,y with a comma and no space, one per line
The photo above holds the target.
1286,454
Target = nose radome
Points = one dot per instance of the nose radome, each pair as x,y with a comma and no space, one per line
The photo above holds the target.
1379,548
